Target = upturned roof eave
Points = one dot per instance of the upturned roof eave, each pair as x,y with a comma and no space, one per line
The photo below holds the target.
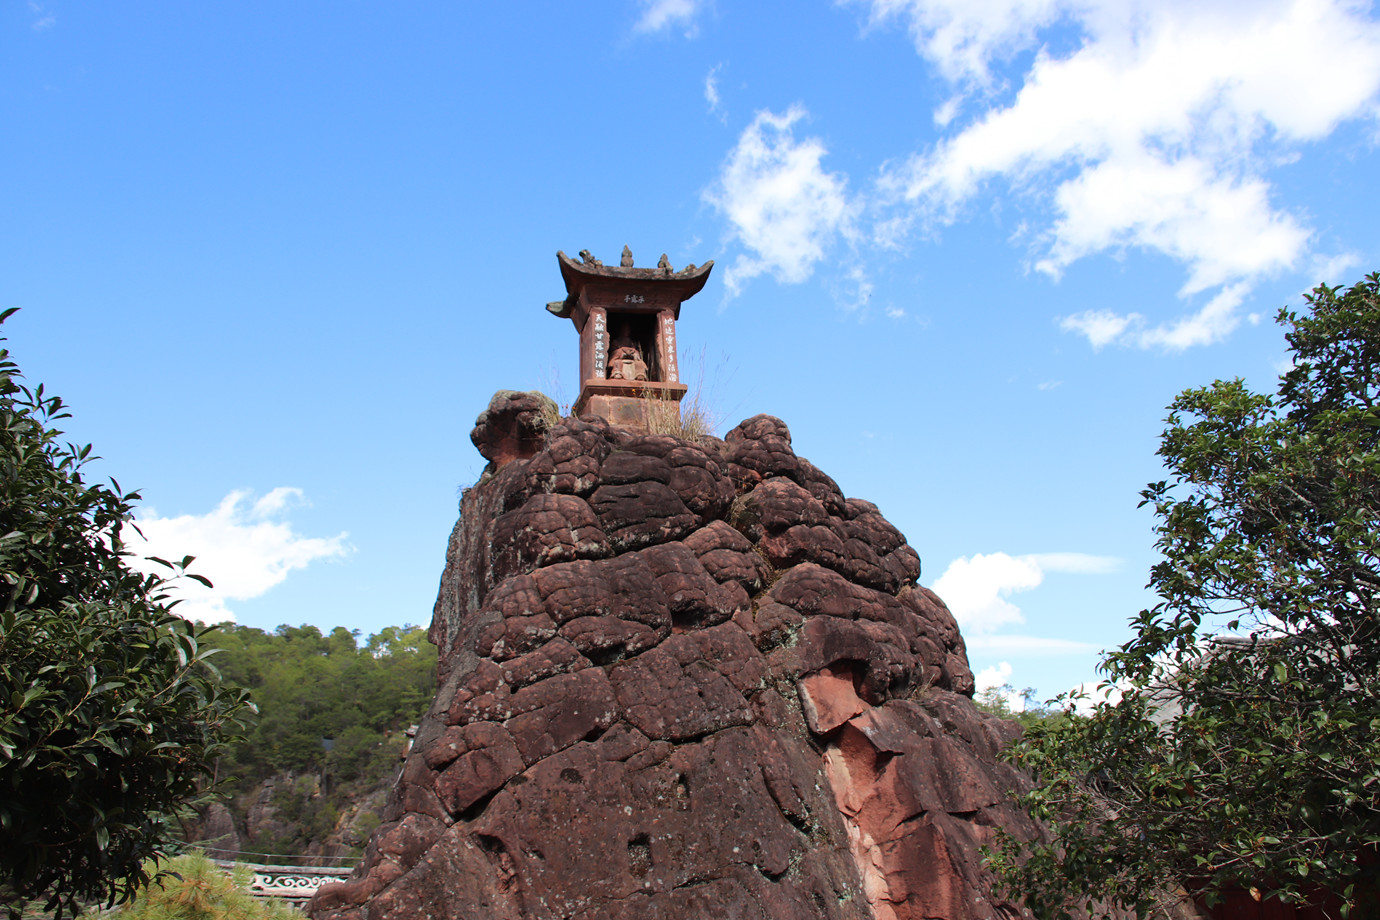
688,281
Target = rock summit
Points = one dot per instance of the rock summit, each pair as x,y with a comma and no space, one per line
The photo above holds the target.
684,680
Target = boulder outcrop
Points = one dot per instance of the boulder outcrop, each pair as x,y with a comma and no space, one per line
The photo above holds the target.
685,680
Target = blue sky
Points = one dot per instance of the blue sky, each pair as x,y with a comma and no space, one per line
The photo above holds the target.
277,257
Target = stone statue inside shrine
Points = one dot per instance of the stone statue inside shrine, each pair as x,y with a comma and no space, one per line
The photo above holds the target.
625,363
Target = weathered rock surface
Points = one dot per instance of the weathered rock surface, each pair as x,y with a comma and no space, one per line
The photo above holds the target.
685,680
513,425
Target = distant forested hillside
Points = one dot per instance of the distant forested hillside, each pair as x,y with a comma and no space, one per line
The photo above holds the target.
330,729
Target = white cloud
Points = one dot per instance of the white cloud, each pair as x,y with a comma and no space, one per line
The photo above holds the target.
1154,131
782,206
997,675
1212,323
962,36
711,89
1102,327
947,112
853,291
242,546
663,15
1334,269
976,590
1221,228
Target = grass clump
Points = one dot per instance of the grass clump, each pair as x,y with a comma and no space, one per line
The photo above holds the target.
690,419
550,412
697,416
192,887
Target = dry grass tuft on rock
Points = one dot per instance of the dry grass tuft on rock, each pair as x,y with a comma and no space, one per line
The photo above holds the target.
550,413
699,415
689,420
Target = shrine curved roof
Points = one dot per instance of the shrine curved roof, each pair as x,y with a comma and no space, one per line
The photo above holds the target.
682,284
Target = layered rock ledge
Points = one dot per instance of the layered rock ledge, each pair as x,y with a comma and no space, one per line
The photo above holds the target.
685,680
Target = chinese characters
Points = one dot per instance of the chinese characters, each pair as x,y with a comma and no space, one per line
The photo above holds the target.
600,346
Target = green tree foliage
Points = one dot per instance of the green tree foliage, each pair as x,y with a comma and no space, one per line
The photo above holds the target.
998,701
1251,764
311,687
110,714
191,887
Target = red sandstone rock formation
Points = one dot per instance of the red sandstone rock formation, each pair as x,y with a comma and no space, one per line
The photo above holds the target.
685,680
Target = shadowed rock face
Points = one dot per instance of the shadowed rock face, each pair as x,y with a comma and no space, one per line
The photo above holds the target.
682,681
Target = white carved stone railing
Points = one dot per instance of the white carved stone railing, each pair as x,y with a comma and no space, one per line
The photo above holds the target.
293,882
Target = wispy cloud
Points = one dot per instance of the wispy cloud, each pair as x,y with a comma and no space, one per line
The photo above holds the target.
1014,644
1155,131
1333,269
853,289
243,546
44,20
711,90
1217,318
1074,563
962,37
977,589
781,204
664,15
1101,327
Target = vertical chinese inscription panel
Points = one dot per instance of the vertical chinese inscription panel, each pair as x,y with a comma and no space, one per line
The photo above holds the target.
666,342
594,354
